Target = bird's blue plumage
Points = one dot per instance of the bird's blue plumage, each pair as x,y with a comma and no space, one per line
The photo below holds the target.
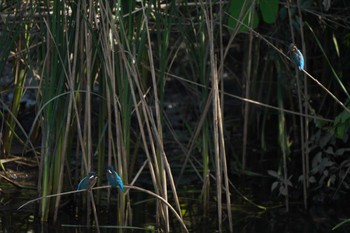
88,181
296,56
114,179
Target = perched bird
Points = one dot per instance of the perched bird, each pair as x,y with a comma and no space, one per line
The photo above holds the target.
88,181
296,56
114,179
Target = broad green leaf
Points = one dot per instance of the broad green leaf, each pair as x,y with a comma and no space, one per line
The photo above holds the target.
242,15
269,10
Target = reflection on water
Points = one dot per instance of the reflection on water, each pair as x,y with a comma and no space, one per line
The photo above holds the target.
319,219
316,220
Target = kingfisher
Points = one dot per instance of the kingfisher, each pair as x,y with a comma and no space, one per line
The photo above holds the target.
114,179
88,181
296,56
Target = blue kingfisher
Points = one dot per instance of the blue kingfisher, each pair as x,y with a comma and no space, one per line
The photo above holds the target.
88,181
296,56
114,179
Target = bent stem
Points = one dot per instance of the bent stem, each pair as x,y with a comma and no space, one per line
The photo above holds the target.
178,217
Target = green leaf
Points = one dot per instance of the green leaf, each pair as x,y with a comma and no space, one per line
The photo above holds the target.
341,223
341,124
242,15
269,10
320,123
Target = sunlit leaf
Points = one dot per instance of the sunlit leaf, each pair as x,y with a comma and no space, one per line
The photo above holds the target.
274,186
335,41
273,173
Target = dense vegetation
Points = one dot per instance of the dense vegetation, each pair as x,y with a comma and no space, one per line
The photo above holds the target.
184,99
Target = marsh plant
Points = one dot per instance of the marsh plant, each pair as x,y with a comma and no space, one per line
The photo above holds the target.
330,166
179,97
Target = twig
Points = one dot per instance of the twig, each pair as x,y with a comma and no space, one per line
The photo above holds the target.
108,186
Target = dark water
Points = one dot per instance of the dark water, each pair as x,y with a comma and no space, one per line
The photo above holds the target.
246,217
318,219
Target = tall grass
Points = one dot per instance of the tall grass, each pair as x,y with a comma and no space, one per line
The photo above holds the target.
15,45
103,70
